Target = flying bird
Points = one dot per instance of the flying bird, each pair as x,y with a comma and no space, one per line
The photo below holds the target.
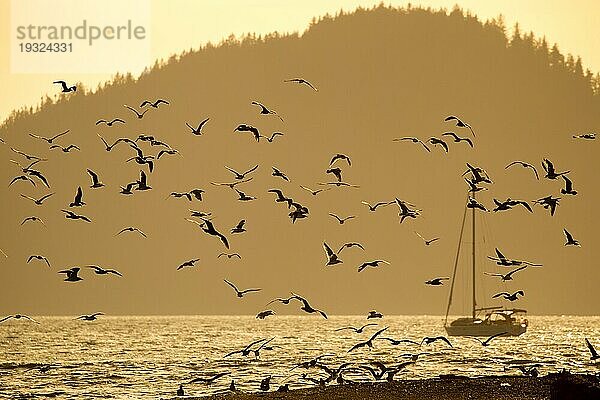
239,228
229,255
196,193
246,350
50,140
570,240
568,186
374,314
264,110
243,196
487,341
249,128
38,257
342,220
65,149
332,258
78,201
436,281
137,114
459,123
190,263
436,141
91,317
109,123
458,139
265,314
509,204
427,241
550,171
37,201
509,296
339,156
156,103
22,178
28,156
337,172
350,244
109,147
277,172
356,330
127,188
374,263
208,227
524,165
475,204
272,137
18,316
71,274
507,276
302,81
240,176
73,216
65,88
307,307
588,136
95,181
373,208
33,218
209,380
414,140
369,342
593,352
142,183
101,271
240,293
314,192
198,131
548,202
429,340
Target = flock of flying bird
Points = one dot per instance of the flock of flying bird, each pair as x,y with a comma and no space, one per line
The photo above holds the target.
476,178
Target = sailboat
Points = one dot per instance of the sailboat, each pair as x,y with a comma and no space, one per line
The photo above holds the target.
485,321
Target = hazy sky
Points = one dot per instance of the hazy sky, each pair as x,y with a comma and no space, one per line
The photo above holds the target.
182,24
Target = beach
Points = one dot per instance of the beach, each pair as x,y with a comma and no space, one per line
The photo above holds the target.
552,386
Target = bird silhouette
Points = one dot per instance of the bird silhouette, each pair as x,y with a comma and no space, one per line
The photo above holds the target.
210,380
33,218
550,171
198,131
243,196
208,227
264,110
272,137
436,281
369,342
342,220
306,307
249,128
374,263
356,330
241,293
373,208
332,257
570,240
109,147
154,104
195,193
458,139
101,271
429,340
65,149
37,201
509,296
568,186
314,192
509,204
50,140
436,141
350,244
78,201
190,263
594,354
427,241
71,274
28,156
414,140
548,202
588,136
239,228
460,123
22,178
18,316
279,173
229,255
507,276
487,341
374,314
137,114
142,183
339,156
91,317
38,257
65,88
524,165
302,81
95,181
126,190
240,176
264,314
109,123
246,350
73,216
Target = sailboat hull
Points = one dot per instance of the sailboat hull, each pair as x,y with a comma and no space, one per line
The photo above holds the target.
479,327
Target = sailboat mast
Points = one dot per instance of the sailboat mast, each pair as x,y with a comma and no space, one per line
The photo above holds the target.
473,254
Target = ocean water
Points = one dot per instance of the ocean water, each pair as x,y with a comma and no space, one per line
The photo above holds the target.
147,357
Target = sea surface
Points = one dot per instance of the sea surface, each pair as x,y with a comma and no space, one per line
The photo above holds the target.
143,357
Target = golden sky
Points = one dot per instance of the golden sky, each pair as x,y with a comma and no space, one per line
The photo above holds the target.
183,24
